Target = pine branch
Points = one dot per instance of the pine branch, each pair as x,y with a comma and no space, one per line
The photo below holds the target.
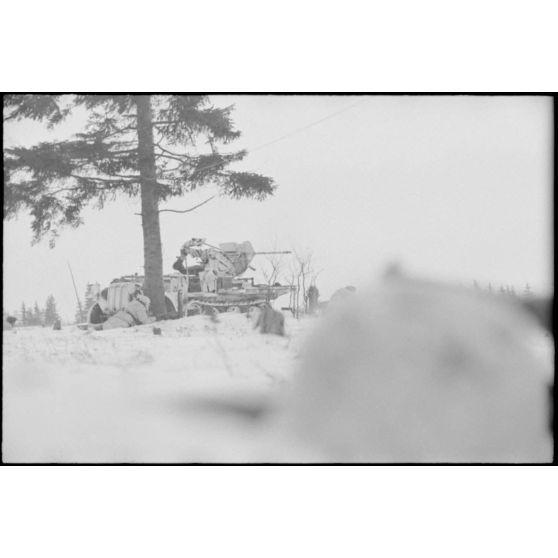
172,153
73,190
183,210
123,151
187,210
36,107
171,170
98,179
56,180
170,157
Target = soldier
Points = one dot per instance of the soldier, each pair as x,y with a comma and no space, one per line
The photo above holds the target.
179,266
135,313
208,281
313,295
270,321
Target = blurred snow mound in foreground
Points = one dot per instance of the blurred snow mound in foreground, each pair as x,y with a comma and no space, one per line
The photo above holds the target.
76,396
406,372
415,371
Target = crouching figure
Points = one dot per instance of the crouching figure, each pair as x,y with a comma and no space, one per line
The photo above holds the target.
135,313
270,321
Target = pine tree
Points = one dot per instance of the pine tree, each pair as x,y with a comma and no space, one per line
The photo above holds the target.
30,316
133,145
490,288
80,316
527,293
50,313
37,315
24,315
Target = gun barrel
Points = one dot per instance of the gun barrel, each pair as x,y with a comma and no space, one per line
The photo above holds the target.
275,252
255,253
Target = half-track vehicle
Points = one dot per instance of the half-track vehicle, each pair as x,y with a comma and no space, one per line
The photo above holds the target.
207,279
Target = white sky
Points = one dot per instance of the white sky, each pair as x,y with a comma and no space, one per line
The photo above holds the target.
456,188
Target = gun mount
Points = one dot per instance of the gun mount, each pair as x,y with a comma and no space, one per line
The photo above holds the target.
214,277
229,258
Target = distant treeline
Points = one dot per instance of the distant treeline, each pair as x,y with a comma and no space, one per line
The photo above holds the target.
35,315
505,290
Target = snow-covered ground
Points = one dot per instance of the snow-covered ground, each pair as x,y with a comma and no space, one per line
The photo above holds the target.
191,394
124,395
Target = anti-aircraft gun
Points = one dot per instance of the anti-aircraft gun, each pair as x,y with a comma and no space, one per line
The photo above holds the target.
214,280
207,281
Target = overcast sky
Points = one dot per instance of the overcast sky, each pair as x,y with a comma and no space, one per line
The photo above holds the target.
456,188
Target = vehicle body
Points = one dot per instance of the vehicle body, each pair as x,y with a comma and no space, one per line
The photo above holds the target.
211,286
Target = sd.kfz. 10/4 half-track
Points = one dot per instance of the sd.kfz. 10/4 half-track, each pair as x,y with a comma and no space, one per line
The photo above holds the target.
207,280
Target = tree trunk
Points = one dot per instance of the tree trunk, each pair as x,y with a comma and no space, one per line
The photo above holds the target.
152,252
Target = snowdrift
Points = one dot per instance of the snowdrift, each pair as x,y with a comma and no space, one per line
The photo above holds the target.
406,373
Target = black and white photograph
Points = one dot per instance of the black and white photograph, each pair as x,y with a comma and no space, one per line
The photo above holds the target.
277,278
